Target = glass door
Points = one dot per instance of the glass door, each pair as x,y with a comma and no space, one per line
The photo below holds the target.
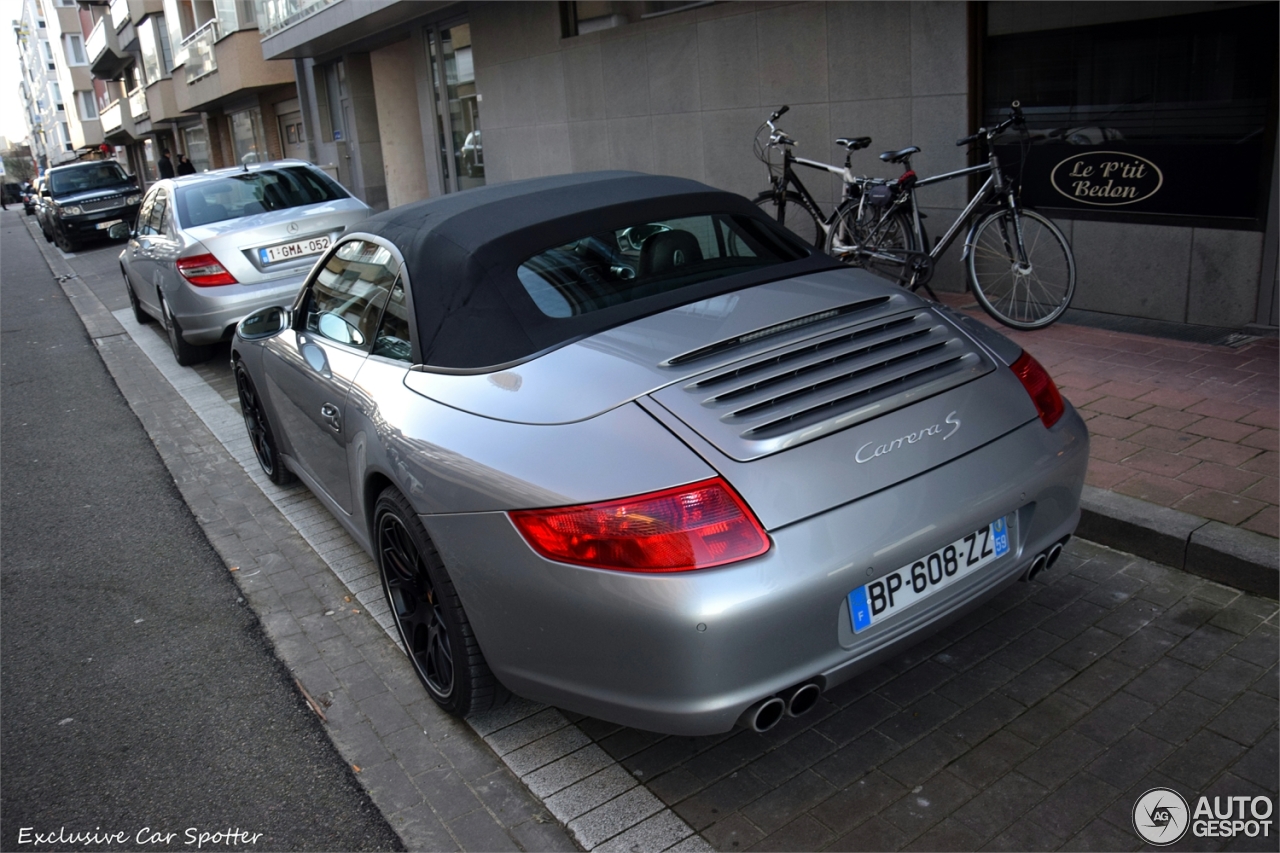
457,107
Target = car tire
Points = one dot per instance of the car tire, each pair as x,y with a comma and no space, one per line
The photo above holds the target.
259,427
185,353
64,242
429,618
48,238
139,314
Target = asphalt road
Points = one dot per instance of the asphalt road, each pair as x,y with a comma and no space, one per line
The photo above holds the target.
138,689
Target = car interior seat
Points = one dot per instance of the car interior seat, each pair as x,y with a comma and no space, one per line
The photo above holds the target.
667,251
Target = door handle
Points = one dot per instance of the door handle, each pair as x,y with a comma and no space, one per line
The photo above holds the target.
329,413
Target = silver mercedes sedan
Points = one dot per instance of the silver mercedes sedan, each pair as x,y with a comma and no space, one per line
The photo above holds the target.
212,248
621,444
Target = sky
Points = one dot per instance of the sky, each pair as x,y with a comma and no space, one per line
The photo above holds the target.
12,125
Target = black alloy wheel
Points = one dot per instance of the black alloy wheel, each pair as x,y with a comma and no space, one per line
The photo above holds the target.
255,421
429,617
64,241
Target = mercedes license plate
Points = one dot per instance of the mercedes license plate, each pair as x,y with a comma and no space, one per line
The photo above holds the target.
289,251
886,597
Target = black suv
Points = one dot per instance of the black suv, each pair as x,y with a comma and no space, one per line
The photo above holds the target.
86,199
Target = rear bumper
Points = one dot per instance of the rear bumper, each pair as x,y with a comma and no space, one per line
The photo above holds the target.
208,315
687,653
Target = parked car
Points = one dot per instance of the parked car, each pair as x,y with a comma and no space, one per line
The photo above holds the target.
31,196
12,192
473,155
84,200
622,444
214,247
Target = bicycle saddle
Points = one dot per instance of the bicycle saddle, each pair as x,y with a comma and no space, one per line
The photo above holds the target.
898,156
854,143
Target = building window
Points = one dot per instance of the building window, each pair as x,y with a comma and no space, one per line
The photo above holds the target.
55,92
154,61
1123,116
75,50
247,136
65,133
86,105
197,147
48,52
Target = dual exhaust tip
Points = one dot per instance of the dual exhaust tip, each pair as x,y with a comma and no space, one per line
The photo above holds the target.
1047,559
792,702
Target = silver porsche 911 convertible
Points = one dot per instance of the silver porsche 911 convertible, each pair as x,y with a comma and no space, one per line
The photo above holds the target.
622,444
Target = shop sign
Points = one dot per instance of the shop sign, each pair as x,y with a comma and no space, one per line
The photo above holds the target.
1107,178
1137,177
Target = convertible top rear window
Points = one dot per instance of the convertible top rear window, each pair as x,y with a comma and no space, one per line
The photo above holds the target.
619,265
503,272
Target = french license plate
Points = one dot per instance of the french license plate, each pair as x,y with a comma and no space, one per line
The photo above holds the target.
289,251
887,596
103,226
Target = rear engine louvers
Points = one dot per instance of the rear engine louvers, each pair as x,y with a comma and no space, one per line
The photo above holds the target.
809,388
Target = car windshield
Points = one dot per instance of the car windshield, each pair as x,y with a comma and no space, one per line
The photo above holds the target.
247,193
616,266
83,178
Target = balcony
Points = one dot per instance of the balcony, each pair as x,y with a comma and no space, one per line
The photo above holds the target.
138,103
117,122
120,13
235,67
277,15
202,59
107,60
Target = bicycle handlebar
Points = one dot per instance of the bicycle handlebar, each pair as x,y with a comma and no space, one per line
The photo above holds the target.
779,113
1015,117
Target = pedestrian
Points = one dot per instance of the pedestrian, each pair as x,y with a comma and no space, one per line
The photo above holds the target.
166,165
184,165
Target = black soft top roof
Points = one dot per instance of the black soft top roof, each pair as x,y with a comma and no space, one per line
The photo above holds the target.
462,250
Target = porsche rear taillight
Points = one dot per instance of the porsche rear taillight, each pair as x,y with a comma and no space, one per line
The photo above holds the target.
204,271
689,527
1040,387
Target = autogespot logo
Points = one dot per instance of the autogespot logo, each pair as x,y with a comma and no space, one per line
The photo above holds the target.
1160,816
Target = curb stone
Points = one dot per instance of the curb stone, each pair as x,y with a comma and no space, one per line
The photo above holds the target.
1229,555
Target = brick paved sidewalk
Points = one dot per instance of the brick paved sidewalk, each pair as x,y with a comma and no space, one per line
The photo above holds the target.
1184,425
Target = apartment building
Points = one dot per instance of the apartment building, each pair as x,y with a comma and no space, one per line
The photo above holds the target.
391,94
187,76
58,92
220,74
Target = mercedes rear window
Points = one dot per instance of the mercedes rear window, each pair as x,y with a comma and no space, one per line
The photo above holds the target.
615,266
246,193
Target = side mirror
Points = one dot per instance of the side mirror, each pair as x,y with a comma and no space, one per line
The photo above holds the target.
265,323
133,179
119,231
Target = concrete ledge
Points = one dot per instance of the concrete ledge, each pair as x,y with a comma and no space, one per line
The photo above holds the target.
1219,552
1239,558
1127,524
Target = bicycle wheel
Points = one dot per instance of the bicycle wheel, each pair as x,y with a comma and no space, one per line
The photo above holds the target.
1022,296
853,236
795,217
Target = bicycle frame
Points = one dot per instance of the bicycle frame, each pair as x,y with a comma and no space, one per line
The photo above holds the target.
993,188
789,179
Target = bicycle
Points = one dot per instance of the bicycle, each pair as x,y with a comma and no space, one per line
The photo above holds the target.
1020,266
788,192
